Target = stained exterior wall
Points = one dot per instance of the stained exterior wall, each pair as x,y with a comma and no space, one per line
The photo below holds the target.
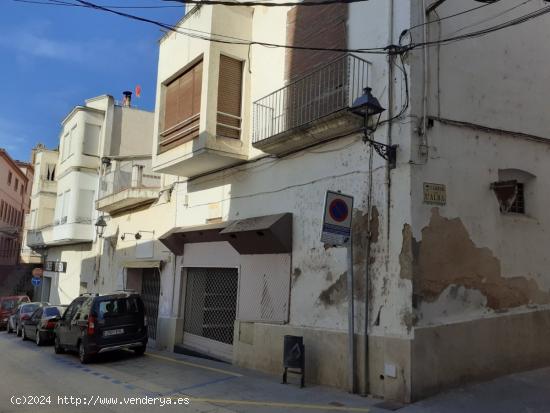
481,286
297,184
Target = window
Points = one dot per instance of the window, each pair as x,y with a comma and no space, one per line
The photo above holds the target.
514,190
3,205
85,205
229,98
518,206
65,207
50,172
16,184
182,108
66,143
9,178
22,189
91,139
58,207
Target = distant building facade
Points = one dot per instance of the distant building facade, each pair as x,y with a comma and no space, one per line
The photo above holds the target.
15,180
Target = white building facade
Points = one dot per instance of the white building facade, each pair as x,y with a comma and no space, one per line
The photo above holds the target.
440,251
217,222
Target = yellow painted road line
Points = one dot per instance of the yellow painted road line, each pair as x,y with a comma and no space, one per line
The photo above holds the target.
199,366
301,406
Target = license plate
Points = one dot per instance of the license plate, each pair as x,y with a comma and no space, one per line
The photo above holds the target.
113,332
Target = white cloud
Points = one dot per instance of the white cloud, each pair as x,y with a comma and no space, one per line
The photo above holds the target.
33,40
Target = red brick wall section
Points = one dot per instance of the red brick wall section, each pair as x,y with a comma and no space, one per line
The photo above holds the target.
319,26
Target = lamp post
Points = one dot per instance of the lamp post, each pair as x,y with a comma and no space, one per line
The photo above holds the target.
368,107
100,226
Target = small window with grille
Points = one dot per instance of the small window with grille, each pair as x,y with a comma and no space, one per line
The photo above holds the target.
510,195
518,206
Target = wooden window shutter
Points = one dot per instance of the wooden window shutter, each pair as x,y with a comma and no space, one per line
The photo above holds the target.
182,109
171,104
230,86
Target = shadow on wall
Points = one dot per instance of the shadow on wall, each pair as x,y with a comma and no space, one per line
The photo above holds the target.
16,280
323,26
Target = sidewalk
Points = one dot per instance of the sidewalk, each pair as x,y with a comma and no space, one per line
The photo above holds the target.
527,392
238,390
241,390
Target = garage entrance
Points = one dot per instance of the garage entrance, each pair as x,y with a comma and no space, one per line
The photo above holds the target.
210,311
147,282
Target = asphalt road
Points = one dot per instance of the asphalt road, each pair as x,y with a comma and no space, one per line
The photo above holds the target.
29,373
123,382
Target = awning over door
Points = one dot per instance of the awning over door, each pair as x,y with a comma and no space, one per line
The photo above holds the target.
143,264
269,234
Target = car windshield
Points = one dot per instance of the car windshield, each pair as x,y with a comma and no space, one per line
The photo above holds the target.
9,304
117,306
53,311
29,308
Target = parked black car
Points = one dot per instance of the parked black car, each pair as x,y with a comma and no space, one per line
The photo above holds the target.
39,327
94,324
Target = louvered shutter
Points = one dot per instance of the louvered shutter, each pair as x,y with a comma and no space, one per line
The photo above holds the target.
230,97
182,109
171,105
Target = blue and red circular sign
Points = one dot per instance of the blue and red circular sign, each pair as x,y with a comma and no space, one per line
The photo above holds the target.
338,210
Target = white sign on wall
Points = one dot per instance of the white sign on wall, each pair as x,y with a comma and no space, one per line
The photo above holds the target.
337,218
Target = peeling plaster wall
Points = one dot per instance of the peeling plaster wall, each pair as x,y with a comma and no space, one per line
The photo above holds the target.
468,259
297,184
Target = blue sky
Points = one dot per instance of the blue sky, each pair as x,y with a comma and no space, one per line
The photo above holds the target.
53,58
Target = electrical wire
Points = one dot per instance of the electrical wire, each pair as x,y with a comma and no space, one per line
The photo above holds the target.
67,4
172,28
266,3
389,50
448,17
479,33
492,17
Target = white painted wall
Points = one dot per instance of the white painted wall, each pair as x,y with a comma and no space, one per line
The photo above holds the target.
498,81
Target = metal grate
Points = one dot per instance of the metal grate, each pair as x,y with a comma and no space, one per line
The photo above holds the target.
211,303
518,206
324,91
150,292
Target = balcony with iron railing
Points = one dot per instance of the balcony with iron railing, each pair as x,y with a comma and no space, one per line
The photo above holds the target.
128,184
312,109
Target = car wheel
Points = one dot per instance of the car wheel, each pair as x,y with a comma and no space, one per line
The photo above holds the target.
23,335
57,346
37,338
82,355
18,331
140,350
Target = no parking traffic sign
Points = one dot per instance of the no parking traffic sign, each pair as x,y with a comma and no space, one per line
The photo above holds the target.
337,218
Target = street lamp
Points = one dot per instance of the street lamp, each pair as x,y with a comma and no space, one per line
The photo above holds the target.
368,106
100,226
370,109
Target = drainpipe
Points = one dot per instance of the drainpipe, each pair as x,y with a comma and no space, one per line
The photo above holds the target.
391,7
424,141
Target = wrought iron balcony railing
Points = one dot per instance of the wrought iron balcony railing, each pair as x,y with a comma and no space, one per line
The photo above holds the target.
329,89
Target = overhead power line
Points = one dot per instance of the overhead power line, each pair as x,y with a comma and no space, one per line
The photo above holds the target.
266,3
390,49
67,4
478,33
237,41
